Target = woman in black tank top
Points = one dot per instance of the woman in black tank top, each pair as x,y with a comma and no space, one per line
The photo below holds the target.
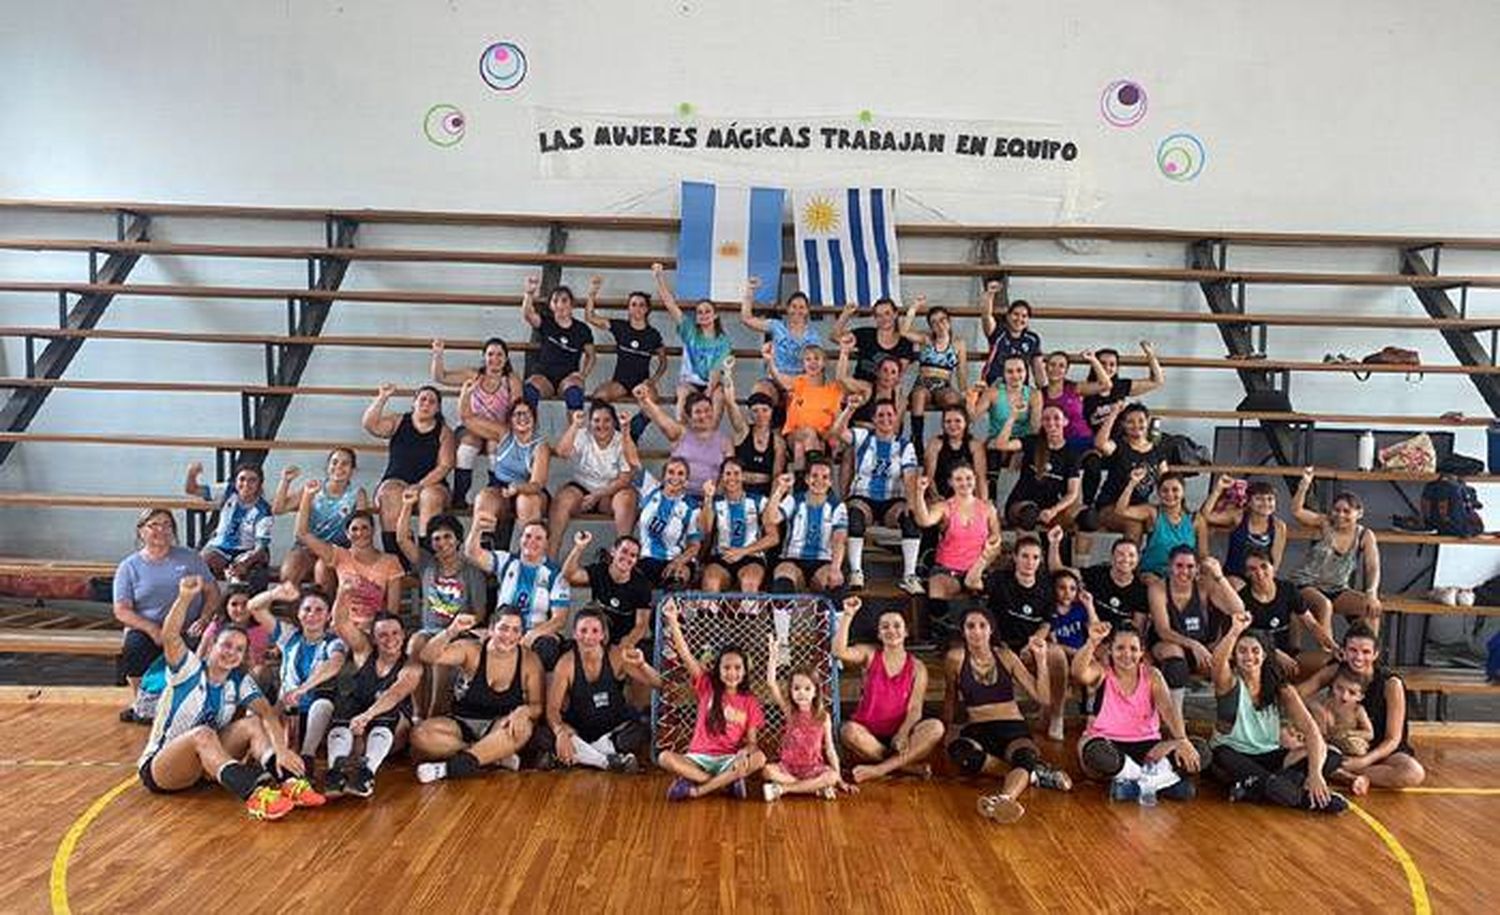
591,722
982,675
757,446
953,448
422,452
493,717
1188,611
377,707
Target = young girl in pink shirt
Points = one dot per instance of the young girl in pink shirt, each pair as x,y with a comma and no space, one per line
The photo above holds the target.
723,750
809,761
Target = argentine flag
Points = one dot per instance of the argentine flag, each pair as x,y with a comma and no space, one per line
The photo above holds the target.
728,235
846,245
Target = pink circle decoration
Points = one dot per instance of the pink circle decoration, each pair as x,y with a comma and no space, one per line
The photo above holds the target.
502,66
1123,103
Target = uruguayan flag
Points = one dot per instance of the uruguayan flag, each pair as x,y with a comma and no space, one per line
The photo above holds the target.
728,235
846,245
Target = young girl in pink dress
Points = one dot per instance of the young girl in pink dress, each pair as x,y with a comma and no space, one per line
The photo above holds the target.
809,761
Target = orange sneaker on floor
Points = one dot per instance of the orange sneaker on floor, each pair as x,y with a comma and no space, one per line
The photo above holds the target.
268,804
300,792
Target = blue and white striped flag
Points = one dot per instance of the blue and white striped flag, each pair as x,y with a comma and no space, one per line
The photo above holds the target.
846,245
728,235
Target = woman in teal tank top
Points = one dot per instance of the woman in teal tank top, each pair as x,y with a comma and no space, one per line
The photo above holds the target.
1168,523
1253,699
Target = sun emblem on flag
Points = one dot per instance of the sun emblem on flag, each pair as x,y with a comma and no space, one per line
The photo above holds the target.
731,249
820,216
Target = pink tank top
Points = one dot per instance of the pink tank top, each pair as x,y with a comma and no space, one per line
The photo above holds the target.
1071,404
882,702
962,542
802,743
492,405
1126,718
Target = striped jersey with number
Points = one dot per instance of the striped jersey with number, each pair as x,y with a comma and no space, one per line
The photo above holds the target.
810,528
535,589
737,524
667,525
880,466
190,700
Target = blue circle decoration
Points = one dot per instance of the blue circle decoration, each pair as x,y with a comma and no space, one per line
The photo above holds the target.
1181,157
503,66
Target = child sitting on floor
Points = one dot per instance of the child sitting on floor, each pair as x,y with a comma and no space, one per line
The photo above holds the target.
809,761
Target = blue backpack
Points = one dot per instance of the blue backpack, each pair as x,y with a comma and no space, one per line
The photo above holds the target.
1451,507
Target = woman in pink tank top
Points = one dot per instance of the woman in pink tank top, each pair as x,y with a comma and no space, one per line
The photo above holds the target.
1134,704
887,731
970,538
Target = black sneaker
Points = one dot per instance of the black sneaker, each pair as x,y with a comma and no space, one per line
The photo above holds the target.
362,782
624,762
1337,803
1245,789
335,783
548,762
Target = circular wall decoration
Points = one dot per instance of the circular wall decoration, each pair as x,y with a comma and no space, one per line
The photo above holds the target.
1123,103
444,125
1181,156
503,66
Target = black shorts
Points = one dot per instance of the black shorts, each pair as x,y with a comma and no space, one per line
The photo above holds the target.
150,783
879,508
473,729
733,568
1135,749
653,568
809,567
554,374
996,737
138,653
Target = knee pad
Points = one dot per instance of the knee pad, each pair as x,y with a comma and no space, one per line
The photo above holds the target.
1023,515
780,585
638,424
466,456
1025,758
909,526
967,755
1176,672
573,397
531,395
856,522
1102,758
1087,520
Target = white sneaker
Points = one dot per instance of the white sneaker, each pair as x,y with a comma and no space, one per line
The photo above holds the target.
856,579
511,762
771,791
911,584
829,793
1448,597
429,772
1465,597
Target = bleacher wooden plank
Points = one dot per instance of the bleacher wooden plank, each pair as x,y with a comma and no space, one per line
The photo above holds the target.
1325,473
1448,680
75,641
668,224
95,500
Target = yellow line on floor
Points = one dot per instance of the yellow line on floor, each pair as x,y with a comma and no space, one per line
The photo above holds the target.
1481,792
1420,904
59,881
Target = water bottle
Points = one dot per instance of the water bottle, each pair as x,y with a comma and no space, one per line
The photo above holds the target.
1367,450
1148,792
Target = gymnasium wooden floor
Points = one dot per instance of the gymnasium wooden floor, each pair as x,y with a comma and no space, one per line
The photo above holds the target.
567,842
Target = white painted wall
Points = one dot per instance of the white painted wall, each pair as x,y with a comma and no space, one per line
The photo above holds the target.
1341,115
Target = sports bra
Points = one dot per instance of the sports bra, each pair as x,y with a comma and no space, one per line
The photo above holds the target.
493,405
479,700
754,460
972,692
945,360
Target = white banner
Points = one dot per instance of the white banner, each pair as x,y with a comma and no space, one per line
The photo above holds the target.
1027,157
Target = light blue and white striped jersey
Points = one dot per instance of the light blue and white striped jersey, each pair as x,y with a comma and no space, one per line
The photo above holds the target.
241,527
737,524
299,657
536,590
190,700
880,466
666,525
810,527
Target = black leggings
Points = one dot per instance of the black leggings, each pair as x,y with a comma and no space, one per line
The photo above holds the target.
1273,784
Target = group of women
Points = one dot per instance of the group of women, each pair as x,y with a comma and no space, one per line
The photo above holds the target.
755,508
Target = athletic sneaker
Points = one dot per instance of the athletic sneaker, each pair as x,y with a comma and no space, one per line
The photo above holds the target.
1044,776
334,783
911,584
1000,808
772,792
1337,803
301,793
362,782
623,762
431,771
1245,789
268,803
738,790
1128,790
548,761
856,579
829,793
680,790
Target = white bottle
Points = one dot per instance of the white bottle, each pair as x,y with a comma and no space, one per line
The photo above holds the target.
1367,450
